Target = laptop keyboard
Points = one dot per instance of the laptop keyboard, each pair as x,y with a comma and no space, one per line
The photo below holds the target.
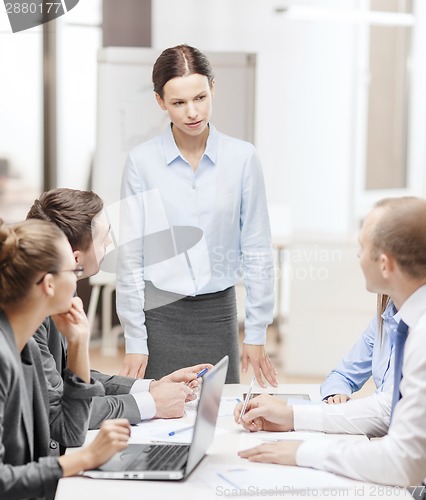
163,457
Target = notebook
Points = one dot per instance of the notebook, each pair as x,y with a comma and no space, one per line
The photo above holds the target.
172,461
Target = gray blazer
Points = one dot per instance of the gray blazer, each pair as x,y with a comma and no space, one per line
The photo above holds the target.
117,403
29,417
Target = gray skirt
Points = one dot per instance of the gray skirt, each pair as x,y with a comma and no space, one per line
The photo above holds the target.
191,330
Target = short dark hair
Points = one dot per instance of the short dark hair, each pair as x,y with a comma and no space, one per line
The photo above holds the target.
401,233
182,60
72,211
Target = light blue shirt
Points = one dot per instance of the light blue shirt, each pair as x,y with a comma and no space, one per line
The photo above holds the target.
368,357
225,198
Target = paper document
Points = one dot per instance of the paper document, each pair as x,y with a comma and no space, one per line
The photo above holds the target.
183,435
158,429
251,439
280,479
227,406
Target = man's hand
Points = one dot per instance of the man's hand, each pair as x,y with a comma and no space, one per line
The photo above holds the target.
283,453
134,365
256,355
170,398
265,413
337,399
187,375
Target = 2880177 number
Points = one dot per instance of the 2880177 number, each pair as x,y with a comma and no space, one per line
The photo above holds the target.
32,8
392,491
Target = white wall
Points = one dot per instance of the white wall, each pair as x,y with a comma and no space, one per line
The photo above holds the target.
328,305
305,89
311,98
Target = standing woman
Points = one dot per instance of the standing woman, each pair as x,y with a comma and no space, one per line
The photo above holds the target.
194,215
37,279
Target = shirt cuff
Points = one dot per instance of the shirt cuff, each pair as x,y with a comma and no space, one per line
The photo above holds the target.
146,405
255,337
141,385
330,389
136,346
313,453
308,418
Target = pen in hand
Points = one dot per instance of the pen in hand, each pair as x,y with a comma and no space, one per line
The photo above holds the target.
202,372
199,374
248,396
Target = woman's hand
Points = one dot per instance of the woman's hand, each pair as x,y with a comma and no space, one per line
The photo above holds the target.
337,399
113,436
134,365
256,355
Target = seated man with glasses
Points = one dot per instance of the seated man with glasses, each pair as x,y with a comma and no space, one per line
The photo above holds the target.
80,215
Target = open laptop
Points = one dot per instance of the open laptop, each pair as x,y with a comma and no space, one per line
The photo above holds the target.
172,461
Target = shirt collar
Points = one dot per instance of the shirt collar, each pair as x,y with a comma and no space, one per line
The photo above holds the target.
391,312
212,145
171,151
414,307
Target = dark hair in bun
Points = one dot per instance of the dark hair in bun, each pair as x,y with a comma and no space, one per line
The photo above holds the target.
27,250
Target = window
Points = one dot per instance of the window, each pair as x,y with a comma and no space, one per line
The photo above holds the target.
21,120
388,100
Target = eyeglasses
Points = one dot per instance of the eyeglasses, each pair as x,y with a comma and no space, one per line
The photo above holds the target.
78,272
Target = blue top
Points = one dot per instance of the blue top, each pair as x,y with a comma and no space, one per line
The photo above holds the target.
368,357
223,203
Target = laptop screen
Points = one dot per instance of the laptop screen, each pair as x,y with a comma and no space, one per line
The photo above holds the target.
208,409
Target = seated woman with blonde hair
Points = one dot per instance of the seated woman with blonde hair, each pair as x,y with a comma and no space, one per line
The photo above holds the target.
37,279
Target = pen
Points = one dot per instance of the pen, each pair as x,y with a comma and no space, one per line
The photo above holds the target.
178,431
200,374
248,396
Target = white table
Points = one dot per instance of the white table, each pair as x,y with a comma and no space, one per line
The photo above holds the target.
223,452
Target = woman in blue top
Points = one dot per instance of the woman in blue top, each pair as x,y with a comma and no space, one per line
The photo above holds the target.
194,219
372,356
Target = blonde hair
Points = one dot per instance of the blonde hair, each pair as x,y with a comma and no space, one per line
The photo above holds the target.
382,304
27,249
